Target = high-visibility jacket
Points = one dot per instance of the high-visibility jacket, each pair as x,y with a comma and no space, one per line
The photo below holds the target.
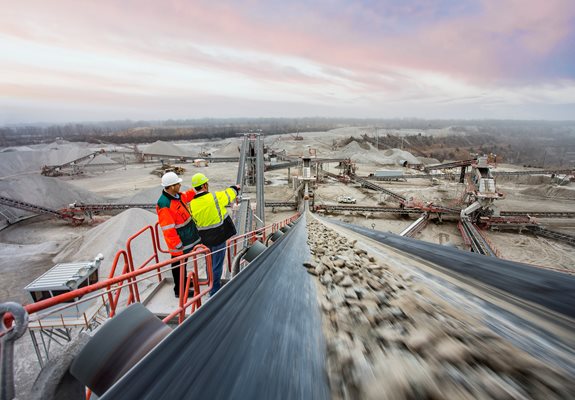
180,232
208,210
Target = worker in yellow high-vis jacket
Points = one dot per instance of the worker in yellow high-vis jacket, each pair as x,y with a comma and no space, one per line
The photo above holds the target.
214,224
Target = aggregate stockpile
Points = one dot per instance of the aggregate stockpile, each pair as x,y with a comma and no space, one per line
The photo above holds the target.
110,236
388,338
368,153
42,191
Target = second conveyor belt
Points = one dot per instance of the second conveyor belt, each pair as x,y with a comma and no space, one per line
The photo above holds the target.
549,289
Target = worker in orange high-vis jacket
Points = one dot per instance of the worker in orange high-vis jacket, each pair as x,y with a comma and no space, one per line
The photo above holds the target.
180,232
215,226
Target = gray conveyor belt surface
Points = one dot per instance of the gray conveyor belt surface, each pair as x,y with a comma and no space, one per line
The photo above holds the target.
260,337
552,290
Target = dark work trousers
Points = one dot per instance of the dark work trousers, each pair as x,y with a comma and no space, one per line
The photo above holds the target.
176,275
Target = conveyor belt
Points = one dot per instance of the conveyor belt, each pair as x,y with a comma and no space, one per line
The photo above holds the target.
394,210
549,289
371,185
473,238
416,226
149,206
288,204
562,237
111,206
186,158
539,214
29,207
260,337
260,183
402,176
50,170
290,164
538,172
455,164
295,162
494,173
347,207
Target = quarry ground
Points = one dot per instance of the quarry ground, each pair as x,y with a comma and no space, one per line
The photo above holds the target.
32,246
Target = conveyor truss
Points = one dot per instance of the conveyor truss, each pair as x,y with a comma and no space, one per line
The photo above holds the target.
473,238
78,212
73,167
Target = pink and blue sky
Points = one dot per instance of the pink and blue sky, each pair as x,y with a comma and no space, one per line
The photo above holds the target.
74,60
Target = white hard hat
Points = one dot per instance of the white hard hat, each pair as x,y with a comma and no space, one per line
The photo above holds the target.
170,178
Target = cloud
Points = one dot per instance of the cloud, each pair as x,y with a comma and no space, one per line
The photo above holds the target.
327,54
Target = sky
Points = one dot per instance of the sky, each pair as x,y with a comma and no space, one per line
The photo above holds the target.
74,60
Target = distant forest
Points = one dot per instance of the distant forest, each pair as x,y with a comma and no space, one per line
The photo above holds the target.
535,143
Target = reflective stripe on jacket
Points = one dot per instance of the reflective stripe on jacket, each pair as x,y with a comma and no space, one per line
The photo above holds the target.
209,210
180,232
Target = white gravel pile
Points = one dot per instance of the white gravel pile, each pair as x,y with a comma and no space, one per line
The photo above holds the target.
21,264
164,148
371,155
347,131
396,156
428,160
551,191
16,148
145,196
151,195
43,191
195,148
110,237
102,159
230,148
32,161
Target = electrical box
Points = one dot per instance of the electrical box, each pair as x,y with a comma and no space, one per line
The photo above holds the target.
63,278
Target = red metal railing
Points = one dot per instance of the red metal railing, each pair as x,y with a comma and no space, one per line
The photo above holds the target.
113,299
233,245
129,263
154,255
130,275
193,279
